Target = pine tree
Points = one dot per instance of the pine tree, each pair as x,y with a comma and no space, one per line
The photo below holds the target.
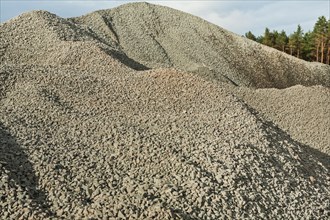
273,36
296,42
267,39
282,40
250,36
260,39
308,47
291,44
319,35
328,40
312,46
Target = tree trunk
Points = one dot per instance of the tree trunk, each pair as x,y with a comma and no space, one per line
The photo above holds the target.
328,56
317,52
322,51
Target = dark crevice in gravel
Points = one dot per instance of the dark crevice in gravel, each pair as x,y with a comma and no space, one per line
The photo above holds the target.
109,25
15,163
301,111
276,136
307,152
123,58
163,51
86,134
322,157
3,78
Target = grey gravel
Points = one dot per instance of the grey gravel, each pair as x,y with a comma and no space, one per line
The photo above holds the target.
304,112
158,36
88,132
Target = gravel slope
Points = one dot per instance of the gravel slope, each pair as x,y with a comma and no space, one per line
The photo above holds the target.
158,36
85,135
304,112
160,143
44,38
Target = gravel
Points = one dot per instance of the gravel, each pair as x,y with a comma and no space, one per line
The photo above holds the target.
303,112
88,131
158,36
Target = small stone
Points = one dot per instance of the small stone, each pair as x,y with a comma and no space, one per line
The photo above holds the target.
312,179
96,193
121,215
59,212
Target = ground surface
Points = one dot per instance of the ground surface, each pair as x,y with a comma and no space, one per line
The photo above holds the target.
106,118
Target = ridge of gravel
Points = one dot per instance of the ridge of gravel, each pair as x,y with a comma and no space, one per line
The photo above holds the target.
45,38
158,36
153,36
88,132
161,144
303,112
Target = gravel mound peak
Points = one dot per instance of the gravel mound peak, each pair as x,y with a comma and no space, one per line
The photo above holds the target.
42,37
158,36
92,129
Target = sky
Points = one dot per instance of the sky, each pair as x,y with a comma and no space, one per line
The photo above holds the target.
237,16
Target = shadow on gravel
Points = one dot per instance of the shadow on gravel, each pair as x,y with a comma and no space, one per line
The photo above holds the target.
279,135
276,136
14,159
123,58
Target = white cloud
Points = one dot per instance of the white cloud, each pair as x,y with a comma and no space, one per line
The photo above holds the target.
10,9
242,16
236,16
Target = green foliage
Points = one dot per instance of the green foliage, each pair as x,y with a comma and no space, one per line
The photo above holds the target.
250,36
260,39
320,38
311,46
267,40
281,41
308,52
296,41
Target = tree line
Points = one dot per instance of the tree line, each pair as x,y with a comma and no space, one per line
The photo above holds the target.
311,46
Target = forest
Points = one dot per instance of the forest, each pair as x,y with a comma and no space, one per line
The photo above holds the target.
311,46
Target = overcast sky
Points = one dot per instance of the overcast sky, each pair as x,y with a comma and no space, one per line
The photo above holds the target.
236,16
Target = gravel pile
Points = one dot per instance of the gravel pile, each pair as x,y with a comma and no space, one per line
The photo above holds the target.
84,135
44,38
303,112
160,143
158,36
